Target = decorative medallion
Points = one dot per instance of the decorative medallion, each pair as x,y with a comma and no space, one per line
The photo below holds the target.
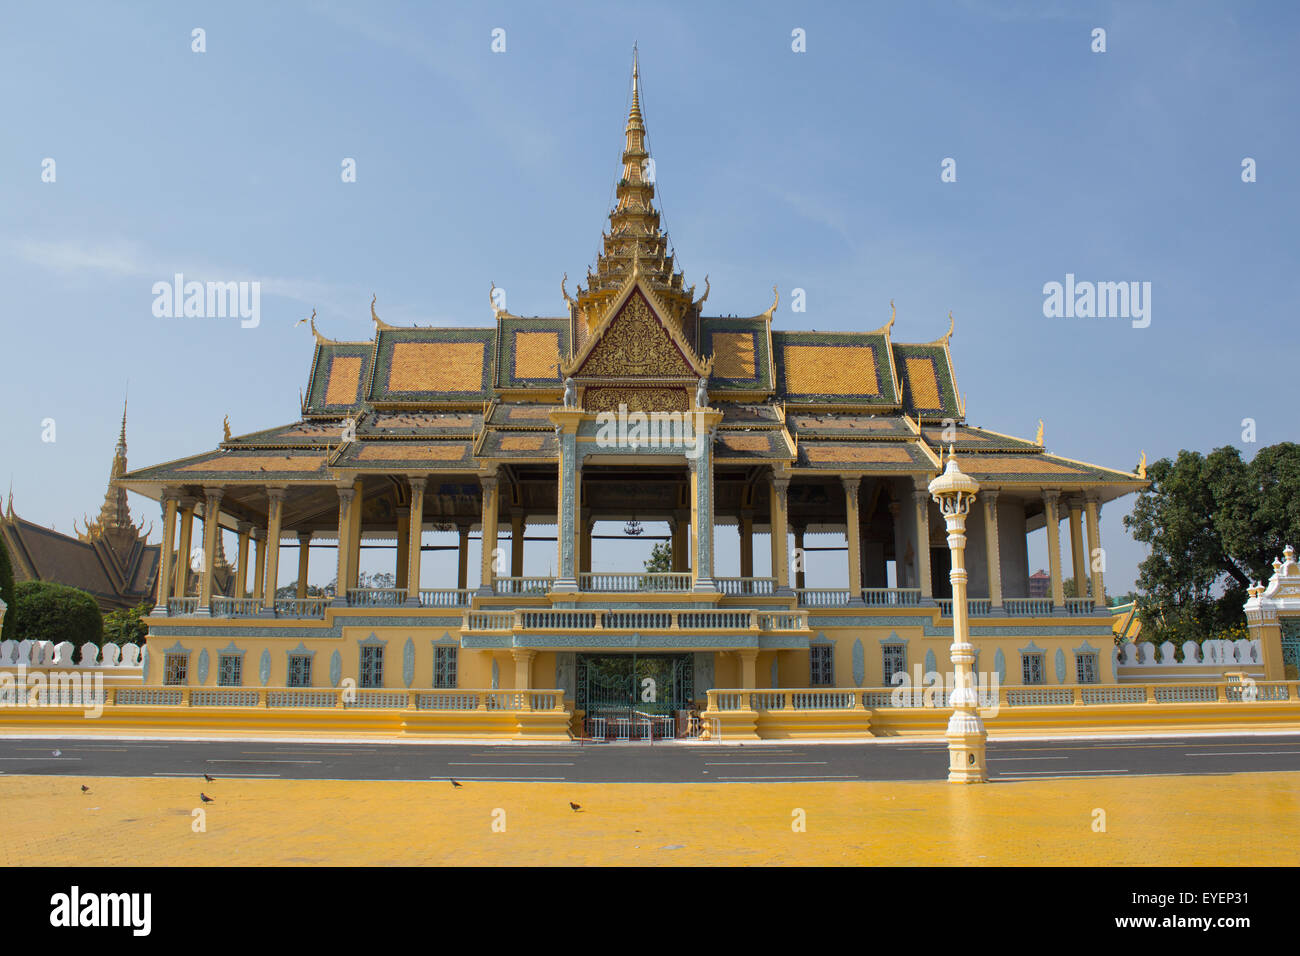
859,662
201,671
1060,666
931,664
264,667
408,661
1000,665
336,668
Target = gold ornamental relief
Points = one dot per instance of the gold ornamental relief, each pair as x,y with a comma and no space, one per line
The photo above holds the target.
636,399
635,343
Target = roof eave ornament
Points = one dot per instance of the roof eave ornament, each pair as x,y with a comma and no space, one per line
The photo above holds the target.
380,324
952,324
893,314
320,339
565,292
776,300
698,305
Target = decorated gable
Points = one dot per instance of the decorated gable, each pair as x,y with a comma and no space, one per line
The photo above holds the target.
636,344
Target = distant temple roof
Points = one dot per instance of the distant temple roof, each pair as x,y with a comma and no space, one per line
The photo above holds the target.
109,559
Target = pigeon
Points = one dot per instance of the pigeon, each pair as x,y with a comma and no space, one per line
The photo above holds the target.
57,753
85,789
204,797
575,807
209,778
455,784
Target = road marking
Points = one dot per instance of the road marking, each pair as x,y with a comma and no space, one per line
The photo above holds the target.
300,753
231,760
51,757
505,779
1070,773
1245,753
767,763
1029,758
503,763
819,776
199,774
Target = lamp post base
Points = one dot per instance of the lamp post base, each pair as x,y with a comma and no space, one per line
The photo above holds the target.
966,742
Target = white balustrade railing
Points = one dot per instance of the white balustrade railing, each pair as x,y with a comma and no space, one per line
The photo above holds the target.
1026,607
47,654
376,597
822,597
891,597
626,583
379,698
182,606
523,585
615,619
975,607
1207,654
445,597
235,607
1079,606
733,586
311,608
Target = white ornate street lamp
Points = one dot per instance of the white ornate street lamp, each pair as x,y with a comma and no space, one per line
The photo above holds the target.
955,493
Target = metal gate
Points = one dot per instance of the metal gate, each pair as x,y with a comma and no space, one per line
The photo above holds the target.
612,688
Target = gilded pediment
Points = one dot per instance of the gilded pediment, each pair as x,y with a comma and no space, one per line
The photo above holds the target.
636,343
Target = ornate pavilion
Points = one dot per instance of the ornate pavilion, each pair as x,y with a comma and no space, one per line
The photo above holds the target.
420,432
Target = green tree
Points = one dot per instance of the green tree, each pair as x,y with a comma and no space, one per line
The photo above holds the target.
1214,523
7,595
661,558
55,612
127,625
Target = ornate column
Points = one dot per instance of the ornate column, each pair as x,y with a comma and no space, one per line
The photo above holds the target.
955,493
780,490
487,568
402,563
167,571
566,422
183,546
853,536
748,669
245,529
517,543
211,528
587,526
993,553
921,501
345,546
746,543
304,561
462,555
681,538
1076,548
1052,517
1095,552
258,587
275,514
415,541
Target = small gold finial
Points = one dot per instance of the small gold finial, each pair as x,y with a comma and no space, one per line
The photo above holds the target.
951,325
706,293
320,339
380,324
565,292
776,300
893,314
1142,465
1038,439
225,428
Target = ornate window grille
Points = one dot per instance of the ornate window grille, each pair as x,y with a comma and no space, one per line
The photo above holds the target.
230,670
372,666
444,667
299,670
822,665
176,668
1031,669
1085,668
895,660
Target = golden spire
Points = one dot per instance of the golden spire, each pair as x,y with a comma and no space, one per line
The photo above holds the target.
635,240
1141,468
115,514
1038,439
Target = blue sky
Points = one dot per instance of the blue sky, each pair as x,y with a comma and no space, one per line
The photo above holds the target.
817,170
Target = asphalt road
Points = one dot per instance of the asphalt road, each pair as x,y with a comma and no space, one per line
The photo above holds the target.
640,763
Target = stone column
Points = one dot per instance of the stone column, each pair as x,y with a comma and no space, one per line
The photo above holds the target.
748,669
402,564
167,571
345,546
746,543
1052,517
487,570
588,526
921,499
1095,552
517,543
258,587
414,538
245,529
462,557
993,554
275,514
211,528
780,489
568,505
853,536
1076,548
304,561
681,539
183,546
523,658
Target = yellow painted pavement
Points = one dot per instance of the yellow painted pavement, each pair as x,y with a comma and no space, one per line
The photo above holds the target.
1240,819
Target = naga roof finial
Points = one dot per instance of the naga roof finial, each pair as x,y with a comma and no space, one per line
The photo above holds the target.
893,314
565,292
952,323
225,428
706,293
776,300
497,310
1038,439
320,339
1142,466
380,324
